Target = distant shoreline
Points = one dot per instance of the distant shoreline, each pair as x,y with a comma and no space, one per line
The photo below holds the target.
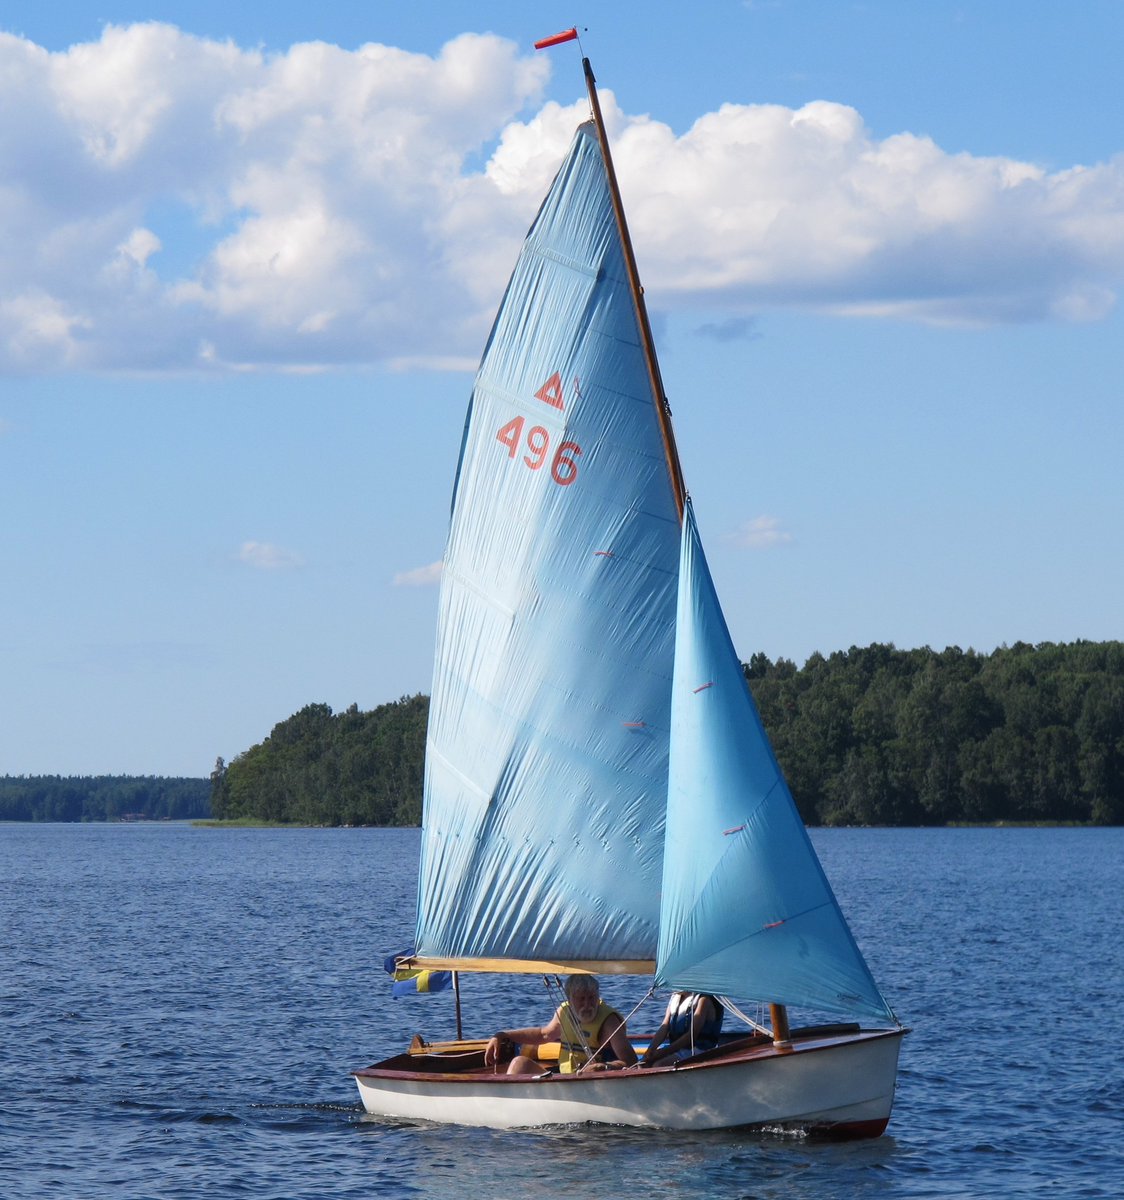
256,823
95,799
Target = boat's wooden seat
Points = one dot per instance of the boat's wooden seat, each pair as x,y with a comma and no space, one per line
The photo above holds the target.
420,1046
456,1057
547,1052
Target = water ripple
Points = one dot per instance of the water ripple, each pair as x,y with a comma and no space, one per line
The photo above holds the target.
180,1007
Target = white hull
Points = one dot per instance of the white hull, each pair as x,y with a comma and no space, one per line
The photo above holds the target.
841,1084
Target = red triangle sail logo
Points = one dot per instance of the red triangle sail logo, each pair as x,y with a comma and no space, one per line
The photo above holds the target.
551,391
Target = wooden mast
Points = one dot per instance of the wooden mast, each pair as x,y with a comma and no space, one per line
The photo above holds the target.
778,1018
457,1003
663,410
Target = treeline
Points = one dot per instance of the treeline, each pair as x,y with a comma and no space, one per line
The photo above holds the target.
325,768
881,736
102,797
867,736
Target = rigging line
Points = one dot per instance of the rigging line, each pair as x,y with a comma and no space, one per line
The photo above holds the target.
555,1003
590,1053
731,1007
639,1002
631,1014
574,1022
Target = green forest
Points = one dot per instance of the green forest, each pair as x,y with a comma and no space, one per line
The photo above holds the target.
880,736
867,736
101,797
325,768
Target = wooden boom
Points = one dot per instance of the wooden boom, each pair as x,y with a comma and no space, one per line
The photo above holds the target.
531,966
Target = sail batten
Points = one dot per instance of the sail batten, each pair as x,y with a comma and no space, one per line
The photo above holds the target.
546,771
747,909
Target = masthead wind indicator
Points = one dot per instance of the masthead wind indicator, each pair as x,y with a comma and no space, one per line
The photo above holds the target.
556,39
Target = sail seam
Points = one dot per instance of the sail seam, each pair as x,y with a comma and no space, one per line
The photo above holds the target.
740,941
526,725
542,414
449,573
438,757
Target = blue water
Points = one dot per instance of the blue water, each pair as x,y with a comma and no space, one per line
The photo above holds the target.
179,1007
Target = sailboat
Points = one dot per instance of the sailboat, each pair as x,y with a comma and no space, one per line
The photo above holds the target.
600,795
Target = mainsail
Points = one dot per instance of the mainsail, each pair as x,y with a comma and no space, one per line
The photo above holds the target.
747,909
546,759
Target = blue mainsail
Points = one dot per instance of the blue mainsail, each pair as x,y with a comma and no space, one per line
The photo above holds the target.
747,909
546,757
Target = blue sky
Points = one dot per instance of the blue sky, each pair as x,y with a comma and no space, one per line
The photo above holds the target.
207,489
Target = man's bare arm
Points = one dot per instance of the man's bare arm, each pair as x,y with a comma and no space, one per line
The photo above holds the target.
618,1043
654,1045
699,1017
531,1036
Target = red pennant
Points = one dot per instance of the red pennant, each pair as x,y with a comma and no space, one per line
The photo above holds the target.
551,391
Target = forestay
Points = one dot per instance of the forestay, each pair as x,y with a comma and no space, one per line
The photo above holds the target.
747,909
546,758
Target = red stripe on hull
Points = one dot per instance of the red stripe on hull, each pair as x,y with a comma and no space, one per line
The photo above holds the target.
851,1131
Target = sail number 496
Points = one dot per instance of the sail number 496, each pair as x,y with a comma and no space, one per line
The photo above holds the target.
563,468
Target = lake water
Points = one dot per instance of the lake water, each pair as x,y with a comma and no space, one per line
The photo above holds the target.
179,1008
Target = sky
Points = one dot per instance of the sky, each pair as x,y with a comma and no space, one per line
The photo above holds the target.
249,255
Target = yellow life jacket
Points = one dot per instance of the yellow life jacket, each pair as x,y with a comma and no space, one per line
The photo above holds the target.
572,1056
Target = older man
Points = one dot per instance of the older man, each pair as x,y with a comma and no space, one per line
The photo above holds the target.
591,1033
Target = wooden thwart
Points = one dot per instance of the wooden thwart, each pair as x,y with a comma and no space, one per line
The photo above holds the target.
418,1046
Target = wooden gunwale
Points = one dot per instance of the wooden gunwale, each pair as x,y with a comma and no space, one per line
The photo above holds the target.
763,1051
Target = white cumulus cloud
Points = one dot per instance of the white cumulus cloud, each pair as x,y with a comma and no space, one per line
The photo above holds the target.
337,216
762,533
419,576
761,205
268,556
338,221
